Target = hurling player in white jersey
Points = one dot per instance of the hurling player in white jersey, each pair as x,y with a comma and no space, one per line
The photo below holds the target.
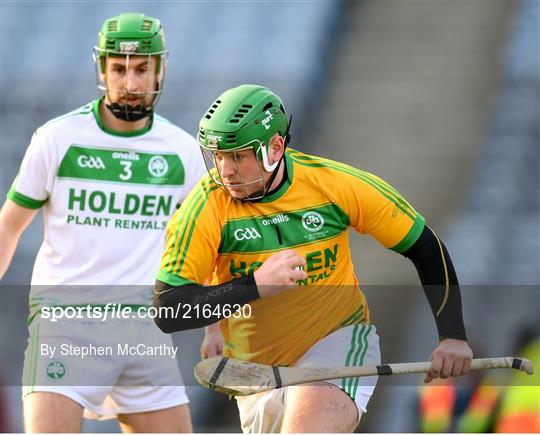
108,177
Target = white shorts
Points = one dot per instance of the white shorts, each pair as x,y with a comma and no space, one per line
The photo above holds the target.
129,366
355,345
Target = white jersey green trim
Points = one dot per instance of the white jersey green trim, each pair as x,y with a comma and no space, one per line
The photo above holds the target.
23,200
106,202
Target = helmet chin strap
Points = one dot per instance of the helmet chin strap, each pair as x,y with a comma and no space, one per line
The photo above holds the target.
264,152
125,112
274,168
266,164
274,175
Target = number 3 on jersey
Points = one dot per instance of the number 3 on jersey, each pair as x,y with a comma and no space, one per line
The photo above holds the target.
126,174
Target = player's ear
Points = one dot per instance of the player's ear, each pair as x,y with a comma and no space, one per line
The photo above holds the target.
276,148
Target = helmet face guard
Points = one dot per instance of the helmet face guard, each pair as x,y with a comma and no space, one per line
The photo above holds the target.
247,117
153,87
131,36
210,155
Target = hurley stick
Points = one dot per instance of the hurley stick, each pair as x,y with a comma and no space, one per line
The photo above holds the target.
241,378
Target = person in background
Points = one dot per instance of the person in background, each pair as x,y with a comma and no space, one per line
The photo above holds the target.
108,176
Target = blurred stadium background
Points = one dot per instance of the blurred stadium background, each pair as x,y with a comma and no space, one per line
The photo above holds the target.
440,98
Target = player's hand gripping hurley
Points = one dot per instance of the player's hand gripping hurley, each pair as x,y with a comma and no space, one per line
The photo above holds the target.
242,378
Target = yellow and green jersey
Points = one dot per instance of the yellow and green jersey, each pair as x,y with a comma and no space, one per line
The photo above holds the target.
215,238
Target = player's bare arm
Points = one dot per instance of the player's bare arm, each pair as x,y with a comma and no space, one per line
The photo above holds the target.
13,221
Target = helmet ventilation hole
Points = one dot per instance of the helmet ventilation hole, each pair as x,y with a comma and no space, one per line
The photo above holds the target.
112,26
240,113
146,25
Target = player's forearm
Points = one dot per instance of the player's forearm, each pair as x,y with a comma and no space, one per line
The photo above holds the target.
9,238
13,221
169,299
440,284
8,244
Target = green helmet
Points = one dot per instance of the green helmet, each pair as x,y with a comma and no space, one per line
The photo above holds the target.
244,117
131,34
241,117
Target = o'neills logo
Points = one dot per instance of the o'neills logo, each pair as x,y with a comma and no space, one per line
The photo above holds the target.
130,155
279,219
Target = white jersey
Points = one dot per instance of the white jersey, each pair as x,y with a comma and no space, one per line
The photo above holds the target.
106,197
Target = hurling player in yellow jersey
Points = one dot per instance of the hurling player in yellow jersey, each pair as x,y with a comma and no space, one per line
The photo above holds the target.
268,227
